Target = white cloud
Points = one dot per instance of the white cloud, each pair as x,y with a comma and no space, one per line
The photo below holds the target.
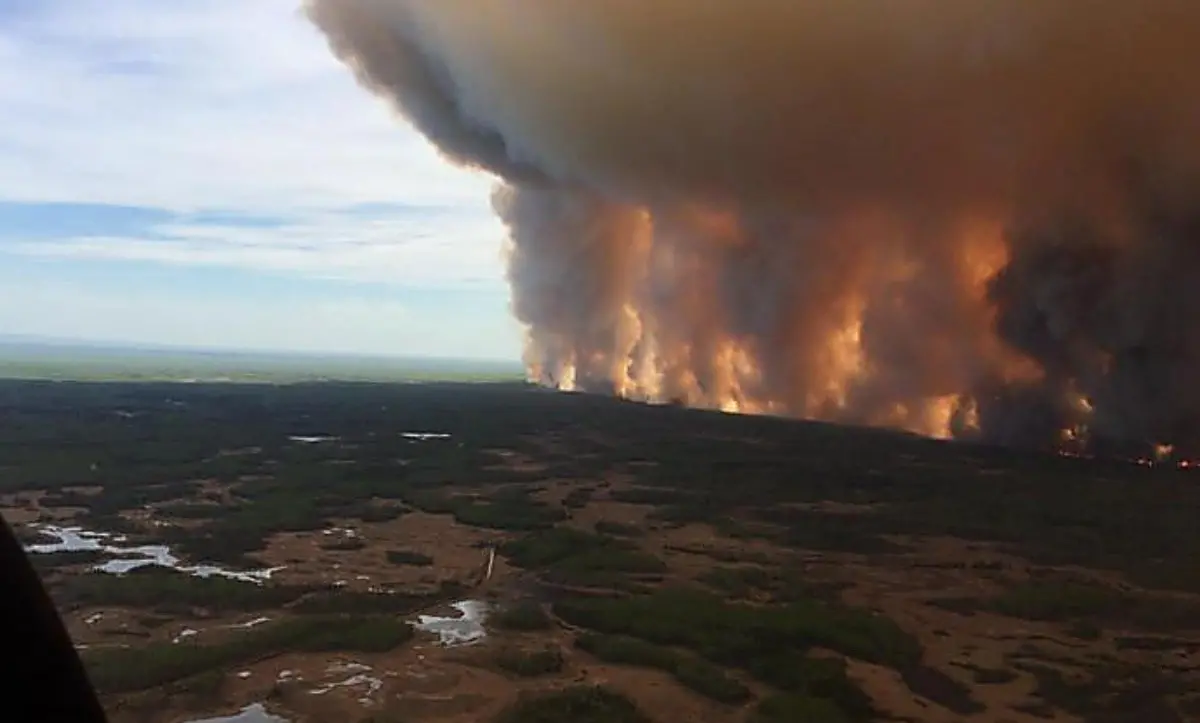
396,247
233,104
236,107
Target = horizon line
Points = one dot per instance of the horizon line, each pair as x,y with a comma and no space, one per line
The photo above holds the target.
10,340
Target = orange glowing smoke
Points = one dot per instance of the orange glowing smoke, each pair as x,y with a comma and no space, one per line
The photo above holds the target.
651,362
958,218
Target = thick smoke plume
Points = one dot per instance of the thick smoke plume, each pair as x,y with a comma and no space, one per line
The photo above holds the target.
970,218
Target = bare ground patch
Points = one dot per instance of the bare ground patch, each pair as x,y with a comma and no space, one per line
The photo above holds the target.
457,552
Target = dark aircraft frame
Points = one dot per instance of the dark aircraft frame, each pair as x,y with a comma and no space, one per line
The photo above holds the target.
42,679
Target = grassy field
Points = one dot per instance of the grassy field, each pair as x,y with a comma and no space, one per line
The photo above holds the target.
652,563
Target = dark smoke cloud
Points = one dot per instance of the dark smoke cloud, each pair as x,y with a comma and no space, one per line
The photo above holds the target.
973,218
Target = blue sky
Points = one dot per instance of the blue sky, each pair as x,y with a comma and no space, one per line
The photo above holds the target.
203,172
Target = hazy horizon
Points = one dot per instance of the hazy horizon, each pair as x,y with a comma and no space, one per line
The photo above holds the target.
35,342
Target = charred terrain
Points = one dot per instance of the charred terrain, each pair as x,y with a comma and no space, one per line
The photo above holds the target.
652,564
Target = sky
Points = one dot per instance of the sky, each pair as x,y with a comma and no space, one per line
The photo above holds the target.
205,173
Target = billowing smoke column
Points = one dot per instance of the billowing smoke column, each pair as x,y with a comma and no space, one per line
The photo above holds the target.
971,218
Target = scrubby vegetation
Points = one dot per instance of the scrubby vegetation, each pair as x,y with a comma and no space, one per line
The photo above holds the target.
1057,601
733,633
568,556
993,676
116,670
792,708
164,589
216,471
754,582
68,558
513,509
192,511
578,704
409,557
348,602
525,616
508,514
345,544
1110,692
700,676
769,643
618,529
578,498
530,663
1085,607
146,444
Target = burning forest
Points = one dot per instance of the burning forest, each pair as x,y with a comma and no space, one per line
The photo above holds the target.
966,219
